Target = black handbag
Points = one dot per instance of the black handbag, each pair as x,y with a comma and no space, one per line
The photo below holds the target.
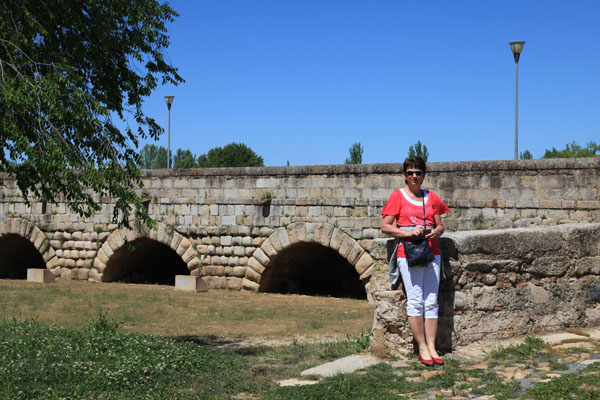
418,253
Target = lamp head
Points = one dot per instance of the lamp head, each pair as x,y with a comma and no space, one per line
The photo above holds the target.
169,101
517,48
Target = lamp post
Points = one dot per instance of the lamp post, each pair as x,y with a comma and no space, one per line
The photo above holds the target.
517,48
169,101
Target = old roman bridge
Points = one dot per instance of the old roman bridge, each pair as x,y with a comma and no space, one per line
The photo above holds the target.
284,229
514,260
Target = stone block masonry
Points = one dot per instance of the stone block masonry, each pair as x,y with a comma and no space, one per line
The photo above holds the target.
226,214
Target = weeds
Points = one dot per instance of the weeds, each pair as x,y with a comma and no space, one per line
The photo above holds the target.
104,323
530,347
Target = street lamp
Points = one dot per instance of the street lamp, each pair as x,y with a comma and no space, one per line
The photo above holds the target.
517,48
169,101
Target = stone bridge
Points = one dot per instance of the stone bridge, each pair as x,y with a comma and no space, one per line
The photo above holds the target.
281,229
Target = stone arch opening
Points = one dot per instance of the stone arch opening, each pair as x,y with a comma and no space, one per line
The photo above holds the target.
144,260
312,269
17,254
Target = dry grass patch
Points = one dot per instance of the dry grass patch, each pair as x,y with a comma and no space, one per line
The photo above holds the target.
218,316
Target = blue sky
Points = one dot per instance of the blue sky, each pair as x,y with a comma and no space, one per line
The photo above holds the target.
301,81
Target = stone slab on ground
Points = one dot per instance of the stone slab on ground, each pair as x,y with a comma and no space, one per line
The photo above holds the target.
297,382
39,275
554,338
589,362
593,332
344,365
190,283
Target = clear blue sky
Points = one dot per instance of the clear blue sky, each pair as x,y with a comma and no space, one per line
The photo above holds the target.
303,80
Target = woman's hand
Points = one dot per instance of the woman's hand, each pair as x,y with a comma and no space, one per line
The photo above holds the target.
418,232
439,228
434,234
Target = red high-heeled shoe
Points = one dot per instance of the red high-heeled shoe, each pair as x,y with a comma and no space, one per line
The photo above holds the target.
428,363
437,361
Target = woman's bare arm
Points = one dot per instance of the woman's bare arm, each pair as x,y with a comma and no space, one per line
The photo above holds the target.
388,226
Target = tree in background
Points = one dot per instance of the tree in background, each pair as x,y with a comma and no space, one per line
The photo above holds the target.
356,152
153,157
184,159
67,69
574,150
525,155
418,150
232,155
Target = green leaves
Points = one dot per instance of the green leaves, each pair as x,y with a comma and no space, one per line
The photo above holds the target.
574,150
231,155
67,69
153,157
356,152
418,150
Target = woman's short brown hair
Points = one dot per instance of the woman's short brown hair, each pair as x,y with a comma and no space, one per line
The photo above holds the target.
415,162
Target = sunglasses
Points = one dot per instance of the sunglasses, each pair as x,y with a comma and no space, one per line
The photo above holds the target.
417,173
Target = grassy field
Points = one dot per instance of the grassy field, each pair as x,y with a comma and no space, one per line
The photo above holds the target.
217,316
80,340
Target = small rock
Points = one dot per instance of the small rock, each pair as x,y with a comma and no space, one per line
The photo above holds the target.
296,382
480,365
429,374
588,362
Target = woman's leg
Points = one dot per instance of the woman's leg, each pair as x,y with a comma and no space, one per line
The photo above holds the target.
431,285
418,330
412,278
431,325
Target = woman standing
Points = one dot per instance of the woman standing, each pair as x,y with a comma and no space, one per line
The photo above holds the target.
403,218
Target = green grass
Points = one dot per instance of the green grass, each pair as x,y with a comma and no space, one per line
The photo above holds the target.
46,361
100,361
379,383
39,361
582,386
529,348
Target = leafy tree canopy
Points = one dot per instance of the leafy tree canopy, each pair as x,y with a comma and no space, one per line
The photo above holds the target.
525,155
231,155
153,157
356,152
418,150
67,69
184,159
573,150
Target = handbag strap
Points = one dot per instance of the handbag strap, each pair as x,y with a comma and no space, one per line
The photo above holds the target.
424,215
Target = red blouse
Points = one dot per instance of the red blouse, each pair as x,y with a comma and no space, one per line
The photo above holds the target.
408,213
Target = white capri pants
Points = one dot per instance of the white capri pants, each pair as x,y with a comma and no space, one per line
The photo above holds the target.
421,285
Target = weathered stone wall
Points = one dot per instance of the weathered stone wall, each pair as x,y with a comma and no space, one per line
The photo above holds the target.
499,284
219,218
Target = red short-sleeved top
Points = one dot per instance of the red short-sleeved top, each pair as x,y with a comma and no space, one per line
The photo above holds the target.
409,212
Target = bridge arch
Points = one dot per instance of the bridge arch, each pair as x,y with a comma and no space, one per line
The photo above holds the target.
163,242
304,237
23,245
